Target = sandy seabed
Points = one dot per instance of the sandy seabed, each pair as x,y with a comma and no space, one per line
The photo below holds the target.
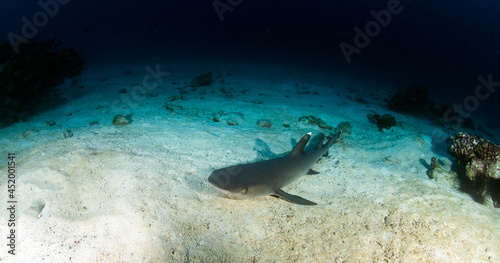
139,192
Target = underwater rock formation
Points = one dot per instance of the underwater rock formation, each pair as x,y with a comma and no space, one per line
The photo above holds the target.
264,123
383,122
312,120
67,134
202,80
120,120
479,162
414,100
28,78
444,177
230,118
343,127
432,168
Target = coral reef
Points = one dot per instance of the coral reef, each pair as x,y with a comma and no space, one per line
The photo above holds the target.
478,161
383,122
479,155
29,77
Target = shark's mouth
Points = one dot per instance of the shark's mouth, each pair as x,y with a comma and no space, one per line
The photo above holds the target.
215,184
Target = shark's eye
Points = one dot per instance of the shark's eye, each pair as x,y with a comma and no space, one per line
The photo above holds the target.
244,190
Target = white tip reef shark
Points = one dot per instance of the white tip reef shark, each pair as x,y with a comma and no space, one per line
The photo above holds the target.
252,180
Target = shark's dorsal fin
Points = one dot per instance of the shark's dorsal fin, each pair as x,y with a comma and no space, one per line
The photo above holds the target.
298,150
292,198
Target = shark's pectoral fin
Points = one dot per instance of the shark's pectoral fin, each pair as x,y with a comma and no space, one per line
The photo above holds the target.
311,171
292,198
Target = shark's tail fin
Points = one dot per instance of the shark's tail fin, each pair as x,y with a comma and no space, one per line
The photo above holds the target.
298,150
328,144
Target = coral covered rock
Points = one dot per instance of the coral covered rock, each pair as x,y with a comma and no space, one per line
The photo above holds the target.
120,120
343,127
443,176
480,156
230,118
312,120
479,162
264,123
383,122
477,168
466,147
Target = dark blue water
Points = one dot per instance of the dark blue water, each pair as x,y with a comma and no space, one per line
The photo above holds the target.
444,44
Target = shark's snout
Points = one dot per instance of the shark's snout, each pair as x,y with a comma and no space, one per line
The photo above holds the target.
219,179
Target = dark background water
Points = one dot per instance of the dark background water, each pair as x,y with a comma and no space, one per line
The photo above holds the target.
444,44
